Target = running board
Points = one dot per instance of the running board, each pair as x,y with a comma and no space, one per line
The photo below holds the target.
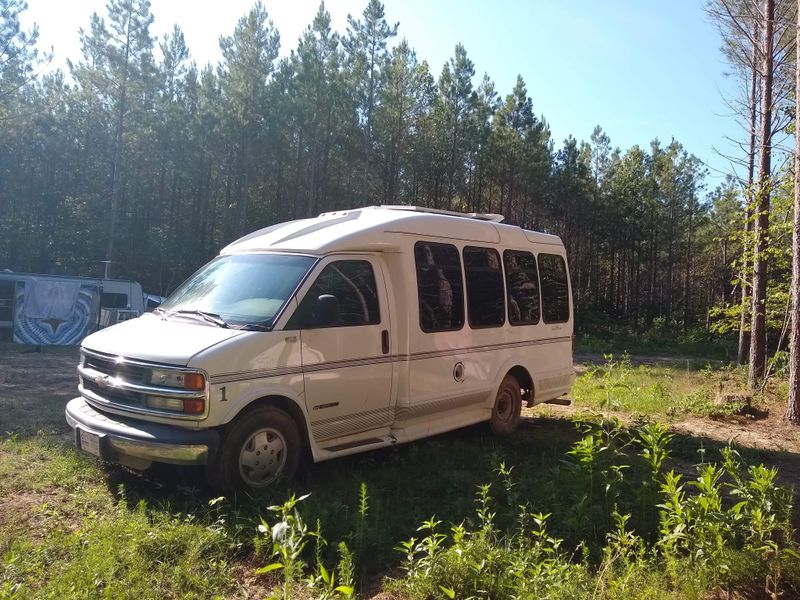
356,444
354,447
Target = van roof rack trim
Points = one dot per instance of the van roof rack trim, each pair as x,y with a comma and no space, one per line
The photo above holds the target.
494,218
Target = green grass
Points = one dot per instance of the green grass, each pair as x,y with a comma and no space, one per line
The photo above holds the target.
65,534
657,390
70,527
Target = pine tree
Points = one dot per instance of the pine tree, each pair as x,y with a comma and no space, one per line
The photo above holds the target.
117,69
367,56
249,57
793,407
453,109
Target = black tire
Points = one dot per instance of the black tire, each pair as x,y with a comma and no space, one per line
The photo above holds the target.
507,407
260,447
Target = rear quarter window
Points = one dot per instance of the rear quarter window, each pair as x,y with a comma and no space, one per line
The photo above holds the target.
522,284
555,288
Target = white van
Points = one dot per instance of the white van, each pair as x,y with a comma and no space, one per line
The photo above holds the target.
355,330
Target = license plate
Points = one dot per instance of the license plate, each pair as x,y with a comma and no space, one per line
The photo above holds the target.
90,443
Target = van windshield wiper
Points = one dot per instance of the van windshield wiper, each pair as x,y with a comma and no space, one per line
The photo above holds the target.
260,326
207,316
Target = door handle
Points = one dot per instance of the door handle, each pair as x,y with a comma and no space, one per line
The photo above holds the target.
385,341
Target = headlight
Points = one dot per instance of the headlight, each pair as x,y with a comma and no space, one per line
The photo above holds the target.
190,406
162,403
175,378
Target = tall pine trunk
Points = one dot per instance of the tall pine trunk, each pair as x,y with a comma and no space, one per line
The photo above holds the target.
758,339
744,330
793,408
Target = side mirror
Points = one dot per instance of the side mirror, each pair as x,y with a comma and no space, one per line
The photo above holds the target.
327,312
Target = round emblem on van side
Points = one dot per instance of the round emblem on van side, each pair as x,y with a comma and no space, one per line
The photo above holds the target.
458,372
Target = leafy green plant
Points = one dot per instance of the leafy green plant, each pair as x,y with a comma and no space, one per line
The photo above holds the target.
599,456
289,538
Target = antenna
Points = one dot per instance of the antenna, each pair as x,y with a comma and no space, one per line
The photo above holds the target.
106,268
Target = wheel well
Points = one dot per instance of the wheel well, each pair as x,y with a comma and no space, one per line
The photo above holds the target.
525,382
286,406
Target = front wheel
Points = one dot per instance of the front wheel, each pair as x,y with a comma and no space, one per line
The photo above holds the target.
261,446
507,407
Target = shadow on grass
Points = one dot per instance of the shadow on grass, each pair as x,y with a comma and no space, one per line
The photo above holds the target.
434,477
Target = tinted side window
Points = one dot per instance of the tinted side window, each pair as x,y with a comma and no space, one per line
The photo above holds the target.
522,284
113,300
441,291
352,282
485,298
555,291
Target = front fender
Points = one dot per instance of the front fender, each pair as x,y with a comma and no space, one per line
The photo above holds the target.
232,399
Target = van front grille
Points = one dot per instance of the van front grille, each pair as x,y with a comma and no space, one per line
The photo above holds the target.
121,397
115,368
118,382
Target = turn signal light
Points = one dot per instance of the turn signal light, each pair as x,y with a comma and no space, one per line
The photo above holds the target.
194,406
194,381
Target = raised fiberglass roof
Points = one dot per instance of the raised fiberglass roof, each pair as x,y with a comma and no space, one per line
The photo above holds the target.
372,228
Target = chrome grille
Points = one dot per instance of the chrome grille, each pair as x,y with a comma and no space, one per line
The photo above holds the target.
129,399
122,383
110,365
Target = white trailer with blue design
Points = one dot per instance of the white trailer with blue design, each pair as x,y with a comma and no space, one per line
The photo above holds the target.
330,336
61,310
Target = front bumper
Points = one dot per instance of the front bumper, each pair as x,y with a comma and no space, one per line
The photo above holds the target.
119,439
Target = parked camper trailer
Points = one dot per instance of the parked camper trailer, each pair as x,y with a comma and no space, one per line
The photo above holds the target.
62,309
352,331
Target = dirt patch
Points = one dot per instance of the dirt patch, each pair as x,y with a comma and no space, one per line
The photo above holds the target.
766,432
35,386
20,508
35,514
770,433
252,585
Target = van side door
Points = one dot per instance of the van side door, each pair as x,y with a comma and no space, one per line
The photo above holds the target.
344,326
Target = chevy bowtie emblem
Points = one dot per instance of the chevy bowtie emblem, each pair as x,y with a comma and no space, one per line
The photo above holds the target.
106,381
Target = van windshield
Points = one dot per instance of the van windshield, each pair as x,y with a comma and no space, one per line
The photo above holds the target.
245,290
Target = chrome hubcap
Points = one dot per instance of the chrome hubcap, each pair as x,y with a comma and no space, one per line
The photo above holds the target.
263,457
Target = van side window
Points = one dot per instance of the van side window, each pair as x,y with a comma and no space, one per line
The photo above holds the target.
352,283
485,298
522,285
555,290
441,290
113,300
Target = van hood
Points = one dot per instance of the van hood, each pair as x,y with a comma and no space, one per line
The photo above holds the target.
152,339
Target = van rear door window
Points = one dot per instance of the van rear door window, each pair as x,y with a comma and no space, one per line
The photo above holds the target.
441,290
555,289
485,298
522,284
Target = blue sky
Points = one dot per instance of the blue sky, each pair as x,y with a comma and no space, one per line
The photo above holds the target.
640,69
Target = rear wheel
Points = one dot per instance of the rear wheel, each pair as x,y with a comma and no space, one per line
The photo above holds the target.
507,407
260,447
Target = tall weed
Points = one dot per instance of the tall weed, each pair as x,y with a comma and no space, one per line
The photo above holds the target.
639,529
